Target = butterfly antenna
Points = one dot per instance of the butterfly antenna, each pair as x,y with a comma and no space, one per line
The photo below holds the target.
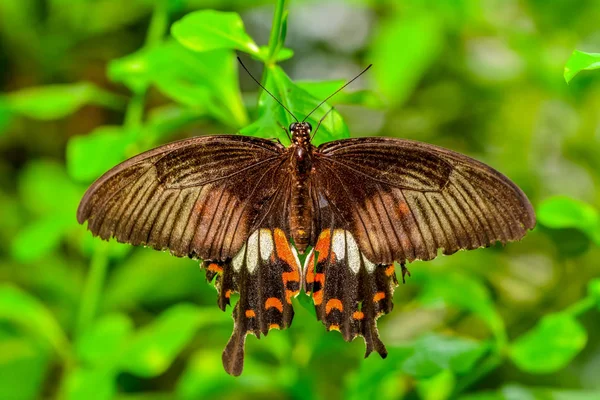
319,124
337,91
265,89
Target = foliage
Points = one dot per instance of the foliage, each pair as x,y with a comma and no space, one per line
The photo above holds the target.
84,319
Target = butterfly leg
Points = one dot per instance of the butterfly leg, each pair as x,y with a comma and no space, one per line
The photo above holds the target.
405,272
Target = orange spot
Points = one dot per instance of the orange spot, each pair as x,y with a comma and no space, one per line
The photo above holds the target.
274,302
334,327
228,293
320,277
310,271
323,244
293,276
378,296
198,208
274,326
318,297
212,267
389,271
403,208
358,315
289,294
250,314
284,251
333,304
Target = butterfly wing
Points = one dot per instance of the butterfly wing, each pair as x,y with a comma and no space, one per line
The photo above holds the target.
380,200
221,198
195,197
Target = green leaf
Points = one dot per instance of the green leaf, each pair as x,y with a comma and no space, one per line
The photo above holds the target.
187,77
166,120
300,103
40,237
166,279
101,344
519,392
51,196
381,379
323,89
561,212
210,30
465,292
403,51
283,54
438,387
21,361
550,345
580,61
89,156
594,290
154,348
90,383
204,377
435,353
58,101
24,310
45,189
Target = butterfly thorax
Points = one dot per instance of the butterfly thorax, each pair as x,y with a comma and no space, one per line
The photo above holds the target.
301,167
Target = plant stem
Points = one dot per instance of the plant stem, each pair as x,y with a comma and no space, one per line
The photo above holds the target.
581,306
158,24
92,289
276,31
156,31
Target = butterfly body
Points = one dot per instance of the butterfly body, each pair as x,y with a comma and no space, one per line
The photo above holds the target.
246,206
301,168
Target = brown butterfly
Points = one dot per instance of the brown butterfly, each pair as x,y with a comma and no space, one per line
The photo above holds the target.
361,204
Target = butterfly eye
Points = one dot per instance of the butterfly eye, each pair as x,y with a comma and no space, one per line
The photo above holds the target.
293,126
308,126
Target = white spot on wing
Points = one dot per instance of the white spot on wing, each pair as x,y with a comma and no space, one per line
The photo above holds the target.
353,253
252,252
338,244
266,244
295,253
370,267
309,262
238,260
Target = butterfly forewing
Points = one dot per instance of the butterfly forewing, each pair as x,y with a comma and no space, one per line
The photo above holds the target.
404,200
198,197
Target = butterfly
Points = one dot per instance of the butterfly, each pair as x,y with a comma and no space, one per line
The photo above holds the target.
247,206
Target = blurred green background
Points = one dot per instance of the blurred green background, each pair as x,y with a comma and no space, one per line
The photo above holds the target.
87,83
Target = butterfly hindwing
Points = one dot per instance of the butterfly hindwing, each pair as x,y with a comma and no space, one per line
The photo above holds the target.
266,274
349,292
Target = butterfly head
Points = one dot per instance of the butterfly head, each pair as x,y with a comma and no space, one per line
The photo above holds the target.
300,132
